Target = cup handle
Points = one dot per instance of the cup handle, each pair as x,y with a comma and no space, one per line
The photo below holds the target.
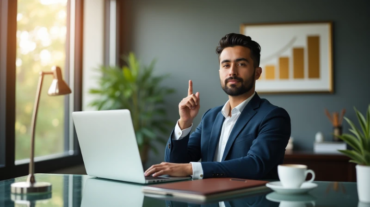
313,175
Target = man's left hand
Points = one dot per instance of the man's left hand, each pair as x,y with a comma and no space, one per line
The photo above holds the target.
171,169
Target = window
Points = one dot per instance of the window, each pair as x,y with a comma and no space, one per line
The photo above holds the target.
41,43
35,35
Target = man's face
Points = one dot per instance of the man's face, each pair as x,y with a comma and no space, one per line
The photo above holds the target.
237,72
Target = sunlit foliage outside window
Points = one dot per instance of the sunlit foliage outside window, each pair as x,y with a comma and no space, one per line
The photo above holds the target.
41,43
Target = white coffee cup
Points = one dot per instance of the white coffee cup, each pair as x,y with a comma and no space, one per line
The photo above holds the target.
293,176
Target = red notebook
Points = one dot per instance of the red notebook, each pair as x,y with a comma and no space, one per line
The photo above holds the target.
207,188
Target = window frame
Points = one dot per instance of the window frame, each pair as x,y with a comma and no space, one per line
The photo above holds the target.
8,29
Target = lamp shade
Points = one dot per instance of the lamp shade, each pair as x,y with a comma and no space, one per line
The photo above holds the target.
58,86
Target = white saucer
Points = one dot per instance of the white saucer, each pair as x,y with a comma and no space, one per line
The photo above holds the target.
278,187
277,197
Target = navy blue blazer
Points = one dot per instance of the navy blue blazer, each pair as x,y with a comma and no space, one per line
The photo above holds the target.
255,148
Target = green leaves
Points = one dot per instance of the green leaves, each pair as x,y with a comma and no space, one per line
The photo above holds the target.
134,65
368,120
137,89
360,142
363,124
352,141
95,91
355,156
128,75
148,133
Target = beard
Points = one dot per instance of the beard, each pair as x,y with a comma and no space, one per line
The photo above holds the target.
234,90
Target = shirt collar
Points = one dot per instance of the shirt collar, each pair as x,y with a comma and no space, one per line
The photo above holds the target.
238,109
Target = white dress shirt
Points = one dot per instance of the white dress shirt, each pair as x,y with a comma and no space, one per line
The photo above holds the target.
227,127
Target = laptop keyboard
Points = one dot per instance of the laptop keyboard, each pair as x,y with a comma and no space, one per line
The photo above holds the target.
155,178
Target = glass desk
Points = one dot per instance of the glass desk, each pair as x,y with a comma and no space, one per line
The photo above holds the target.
83,190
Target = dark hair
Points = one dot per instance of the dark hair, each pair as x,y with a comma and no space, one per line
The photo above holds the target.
233,39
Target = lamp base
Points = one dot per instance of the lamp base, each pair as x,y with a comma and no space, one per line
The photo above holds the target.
31,197
26,187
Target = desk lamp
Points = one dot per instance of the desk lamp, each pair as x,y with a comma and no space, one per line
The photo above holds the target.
58,87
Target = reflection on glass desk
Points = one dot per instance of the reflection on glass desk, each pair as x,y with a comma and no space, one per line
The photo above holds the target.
83,190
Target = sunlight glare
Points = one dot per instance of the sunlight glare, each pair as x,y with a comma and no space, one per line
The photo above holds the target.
18,62
25,44
19,17
45,57
49,2
62,14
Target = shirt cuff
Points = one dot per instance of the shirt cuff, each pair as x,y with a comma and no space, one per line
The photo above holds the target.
197,170
179,134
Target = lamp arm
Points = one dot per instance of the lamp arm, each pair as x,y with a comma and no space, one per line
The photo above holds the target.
31,178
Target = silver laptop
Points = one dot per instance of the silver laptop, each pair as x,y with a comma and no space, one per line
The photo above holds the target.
115,194
109,148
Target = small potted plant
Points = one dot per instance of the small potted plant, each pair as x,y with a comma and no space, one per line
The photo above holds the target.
136,88
359,140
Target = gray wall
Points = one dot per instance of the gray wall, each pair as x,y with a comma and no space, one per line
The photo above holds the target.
183,35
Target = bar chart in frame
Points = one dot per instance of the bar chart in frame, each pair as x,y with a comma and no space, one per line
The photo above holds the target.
295,57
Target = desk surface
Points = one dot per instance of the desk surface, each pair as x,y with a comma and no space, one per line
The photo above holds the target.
82,190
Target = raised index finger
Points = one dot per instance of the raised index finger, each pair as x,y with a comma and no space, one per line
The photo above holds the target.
190,90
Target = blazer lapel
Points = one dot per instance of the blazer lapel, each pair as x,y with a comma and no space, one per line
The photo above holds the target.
247,113
215,136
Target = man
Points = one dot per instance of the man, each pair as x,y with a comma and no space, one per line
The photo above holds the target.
245,138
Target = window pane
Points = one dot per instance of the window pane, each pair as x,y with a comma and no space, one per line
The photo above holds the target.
41,43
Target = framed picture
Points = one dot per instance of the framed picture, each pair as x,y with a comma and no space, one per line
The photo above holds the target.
295,57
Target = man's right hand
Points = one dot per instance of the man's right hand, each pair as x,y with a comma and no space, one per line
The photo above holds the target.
188,108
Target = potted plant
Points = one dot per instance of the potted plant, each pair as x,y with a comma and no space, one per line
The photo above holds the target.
360,142
136,88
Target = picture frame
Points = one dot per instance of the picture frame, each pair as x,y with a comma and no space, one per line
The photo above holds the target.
296,57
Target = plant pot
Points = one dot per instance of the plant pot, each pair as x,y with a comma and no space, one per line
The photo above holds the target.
363,183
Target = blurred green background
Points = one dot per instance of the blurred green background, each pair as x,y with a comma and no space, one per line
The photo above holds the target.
41,43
